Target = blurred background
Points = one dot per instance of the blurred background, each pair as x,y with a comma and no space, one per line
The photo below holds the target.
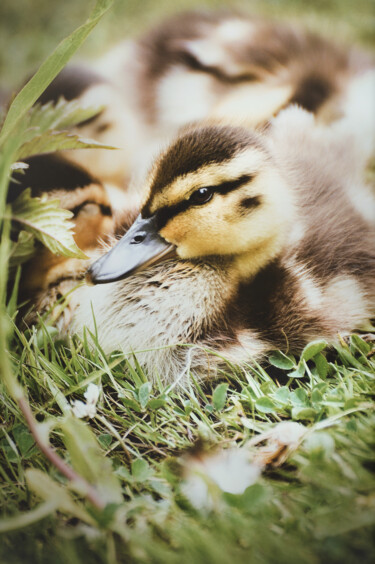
30,29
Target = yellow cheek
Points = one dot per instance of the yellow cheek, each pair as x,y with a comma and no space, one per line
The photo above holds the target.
174,232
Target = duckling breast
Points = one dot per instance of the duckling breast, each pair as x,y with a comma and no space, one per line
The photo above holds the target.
159,314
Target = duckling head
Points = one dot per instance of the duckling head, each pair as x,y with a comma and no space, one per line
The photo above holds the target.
214,192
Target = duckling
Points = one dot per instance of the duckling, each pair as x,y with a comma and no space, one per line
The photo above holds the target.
247,241
194,66
221,63
114,124
46,277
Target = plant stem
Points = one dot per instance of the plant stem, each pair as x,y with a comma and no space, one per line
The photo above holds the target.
91,493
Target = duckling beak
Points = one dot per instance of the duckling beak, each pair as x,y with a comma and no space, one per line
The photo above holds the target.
139,248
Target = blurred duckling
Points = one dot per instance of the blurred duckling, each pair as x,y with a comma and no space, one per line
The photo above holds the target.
46,277
198,65
246,242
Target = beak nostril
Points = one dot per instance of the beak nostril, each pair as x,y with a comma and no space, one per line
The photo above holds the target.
139,238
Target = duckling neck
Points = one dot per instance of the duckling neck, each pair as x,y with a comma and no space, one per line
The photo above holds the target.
246,265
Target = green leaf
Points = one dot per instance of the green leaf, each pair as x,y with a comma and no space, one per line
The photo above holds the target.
322,365
49,490
88,459
144,394
316,396
312,349
24,440
302,413
347,357
299,372
50,69
51,141
219,397
140,470
265,405
48,222
254,495
156,403
281,360
62,115
299,397
360,344
105,440
132,404
22,249
29,517
282,395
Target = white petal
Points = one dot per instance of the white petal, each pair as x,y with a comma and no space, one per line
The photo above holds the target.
92,394
79,409
90,410
287,432
232,471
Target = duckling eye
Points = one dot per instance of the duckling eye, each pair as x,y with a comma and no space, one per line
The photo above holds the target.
201,196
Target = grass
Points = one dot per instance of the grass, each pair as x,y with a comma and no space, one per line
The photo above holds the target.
318,506
313,501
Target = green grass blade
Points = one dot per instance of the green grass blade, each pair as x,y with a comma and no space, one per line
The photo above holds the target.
50,69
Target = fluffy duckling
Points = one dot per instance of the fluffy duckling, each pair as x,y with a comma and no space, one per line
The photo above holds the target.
273,239
46,277
199,64
194,66
114,125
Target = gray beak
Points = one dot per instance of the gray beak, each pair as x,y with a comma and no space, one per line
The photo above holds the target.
139,248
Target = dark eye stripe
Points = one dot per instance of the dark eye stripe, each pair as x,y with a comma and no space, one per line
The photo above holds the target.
105,210
231,185
163,215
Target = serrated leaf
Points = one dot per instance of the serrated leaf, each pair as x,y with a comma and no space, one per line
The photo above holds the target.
51,141
48,222
50,69
219,397
313,349
62,115
281,360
